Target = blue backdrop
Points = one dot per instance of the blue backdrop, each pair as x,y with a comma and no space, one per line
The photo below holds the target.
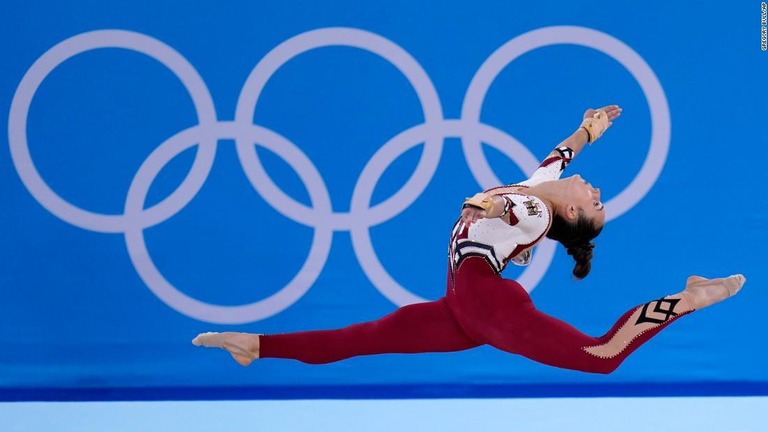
177,167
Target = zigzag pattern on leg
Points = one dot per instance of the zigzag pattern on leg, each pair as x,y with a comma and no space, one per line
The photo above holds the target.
643,319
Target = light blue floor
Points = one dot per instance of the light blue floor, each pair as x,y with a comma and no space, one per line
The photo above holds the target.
572,415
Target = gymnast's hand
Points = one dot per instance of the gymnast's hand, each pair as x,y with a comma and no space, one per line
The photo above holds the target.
596,122
470,215
613,112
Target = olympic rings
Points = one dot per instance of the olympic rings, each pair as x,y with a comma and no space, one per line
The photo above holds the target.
320,216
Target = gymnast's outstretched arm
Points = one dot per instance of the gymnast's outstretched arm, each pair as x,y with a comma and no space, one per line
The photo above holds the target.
491,203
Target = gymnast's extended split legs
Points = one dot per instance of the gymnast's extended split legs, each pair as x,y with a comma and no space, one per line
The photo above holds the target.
506,319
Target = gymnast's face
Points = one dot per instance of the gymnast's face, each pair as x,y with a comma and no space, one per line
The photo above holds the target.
583,196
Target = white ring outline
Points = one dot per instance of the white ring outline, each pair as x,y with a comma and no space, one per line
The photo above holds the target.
361,238
22,99
349,37
599,41
170,295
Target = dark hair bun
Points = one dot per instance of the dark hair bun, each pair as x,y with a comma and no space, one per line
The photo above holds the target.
582,253
576,236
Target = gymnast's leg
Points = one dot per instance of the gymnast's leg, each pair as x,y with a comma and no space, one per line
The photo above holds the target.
548,340
416,328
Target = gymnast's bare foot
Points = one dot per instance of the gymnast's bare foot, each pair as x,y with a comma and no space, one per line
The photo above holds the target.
702,292
244,347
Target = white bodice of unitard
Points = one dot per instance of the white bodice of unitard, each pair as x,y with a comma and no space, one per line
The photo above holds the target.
499,241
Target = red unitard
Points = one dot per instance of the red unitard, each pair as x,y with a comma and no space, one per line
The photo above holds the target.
482,308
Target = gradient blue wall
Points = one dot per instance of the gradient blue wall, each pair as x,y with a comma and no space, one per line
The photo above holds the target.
127,228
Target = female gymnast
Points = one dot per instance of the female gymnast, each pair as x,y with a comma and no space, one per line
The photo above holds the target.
480,307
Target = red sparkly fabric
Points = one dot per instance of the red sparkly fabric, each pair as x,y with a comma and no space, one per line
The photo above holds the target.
479,308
